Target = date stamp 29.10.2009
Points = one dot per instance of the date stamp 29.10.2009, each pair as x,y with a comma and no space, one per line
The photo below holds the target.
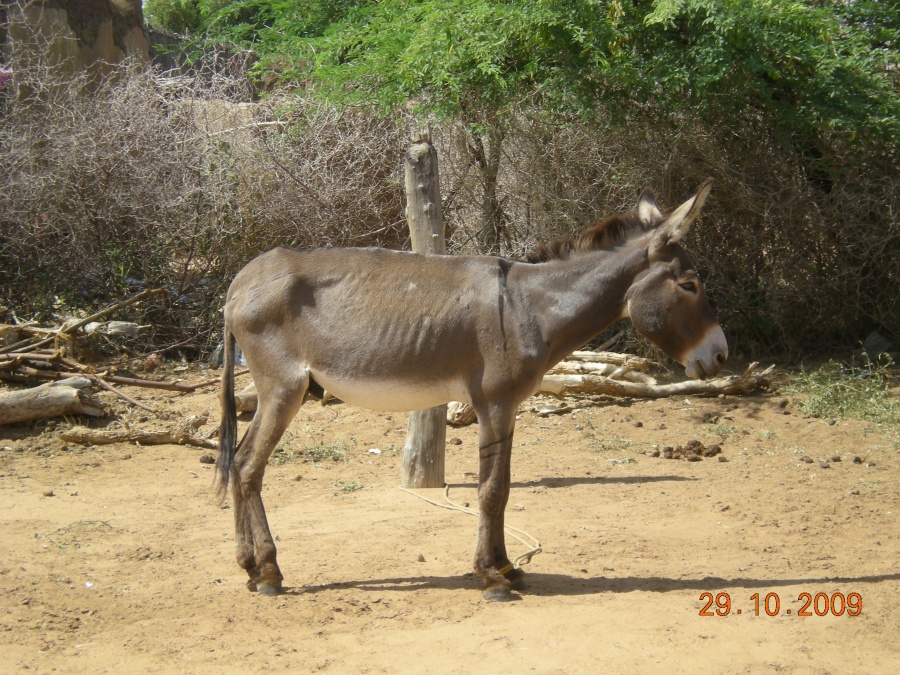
818,604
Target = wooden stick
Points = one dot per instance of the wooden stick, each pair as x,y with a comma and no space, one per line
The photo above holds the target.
87,436
106,385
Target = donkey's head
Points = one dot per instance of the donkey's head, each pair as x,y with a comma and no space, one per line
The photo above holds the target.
666,301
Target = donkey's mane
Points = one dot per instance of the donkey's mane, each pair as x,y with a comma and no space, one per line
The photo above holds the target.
606,233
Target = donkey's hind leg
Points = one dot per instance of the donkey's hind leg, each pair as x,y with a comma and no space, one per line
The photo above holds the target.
256,552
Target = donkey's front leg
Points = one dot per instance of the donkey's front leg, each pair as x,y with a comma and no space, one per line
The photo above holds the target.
492,564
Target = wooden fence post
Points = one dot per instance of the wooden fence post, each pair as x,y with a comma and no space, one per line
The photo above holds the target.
423,453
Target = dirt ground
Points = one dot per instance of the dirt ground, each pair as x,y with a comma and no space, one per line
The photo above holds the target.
119,558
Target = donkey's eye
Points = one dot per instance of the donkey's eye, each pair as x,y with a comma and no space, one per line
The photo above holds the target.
689,286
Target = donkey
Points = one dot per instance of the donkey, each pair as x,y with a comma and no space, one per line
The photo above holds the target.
392,330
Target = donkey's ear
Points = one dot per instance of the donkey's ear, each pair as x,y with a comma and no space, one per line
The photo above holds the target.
647,210
677,224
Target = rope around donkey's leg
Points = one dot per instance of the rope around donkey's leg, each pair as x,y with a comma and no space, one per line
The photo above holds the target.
534,547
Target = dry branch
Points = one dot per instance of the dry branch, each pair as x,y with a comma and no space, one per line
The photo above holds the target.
180,434
459,414
54,399
562,385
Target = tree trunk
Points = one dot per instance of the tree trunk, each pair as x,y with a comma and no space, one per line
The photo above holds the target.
423,453
487,157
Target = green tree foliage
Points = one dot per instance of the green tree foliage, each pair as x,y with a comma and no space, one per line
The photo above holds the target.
178,16
809,67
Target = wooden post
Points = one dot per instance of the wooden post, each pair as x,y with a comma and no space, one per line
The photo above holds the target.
426,436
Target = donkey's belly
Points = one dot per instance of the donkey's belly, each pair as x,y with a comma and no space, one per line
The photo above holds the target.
394,395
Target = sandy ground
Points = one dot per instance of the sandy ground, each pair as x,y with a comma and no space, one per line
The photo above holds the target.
119,558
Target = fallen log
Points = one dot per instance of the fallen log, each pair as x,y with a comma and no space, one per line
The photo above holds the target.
562,385
622,371
54,399
180,434
246,400
460,414
635,362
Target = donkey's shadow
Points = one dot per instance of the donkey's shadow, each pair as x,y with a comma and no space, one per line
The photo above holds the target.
551,585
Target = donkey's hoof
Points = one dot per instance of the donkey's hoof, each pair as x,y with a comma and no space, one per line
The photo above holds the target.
269,590
497,594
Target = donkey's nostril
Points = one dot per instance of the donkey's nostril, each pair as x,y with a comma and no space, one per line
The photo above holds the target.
721,357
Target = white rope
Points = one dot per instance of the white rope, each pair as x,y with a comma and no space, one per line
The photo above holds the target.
533,548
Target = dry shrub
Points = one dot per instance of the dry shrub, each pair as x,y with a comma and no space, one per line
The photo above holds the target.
797,259
142,179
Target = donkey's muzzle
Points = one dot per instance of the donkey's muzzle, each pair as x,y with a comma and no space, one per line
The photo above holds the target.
706,359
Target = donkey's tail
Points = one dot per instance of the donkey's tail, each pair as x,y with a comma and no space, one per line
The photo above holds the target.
228,427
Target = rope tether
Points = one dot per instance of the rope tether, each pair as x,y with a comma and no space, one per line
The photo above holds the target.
524,559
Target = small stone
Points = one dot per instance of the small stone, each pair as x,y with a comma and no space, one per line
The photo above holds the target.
723,458
808,460
455,441
207,459
638,424
667,452
857,460
824,465
854,492
831,423
783,403
835,458
694,458
49,493
421,558
654,452
870,464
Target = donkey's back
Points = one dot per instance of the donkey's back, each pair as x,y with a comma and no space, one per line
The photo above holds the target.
388,330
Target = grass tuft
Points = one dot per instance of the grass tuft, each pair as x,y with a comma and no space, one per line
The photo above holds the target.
859,392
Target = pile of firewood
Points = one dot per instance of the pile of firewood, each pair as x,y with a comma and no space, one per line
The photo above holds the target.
44,356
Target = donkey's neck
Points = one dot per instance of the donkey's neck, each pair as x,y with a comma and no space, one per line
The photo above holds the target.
573,300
